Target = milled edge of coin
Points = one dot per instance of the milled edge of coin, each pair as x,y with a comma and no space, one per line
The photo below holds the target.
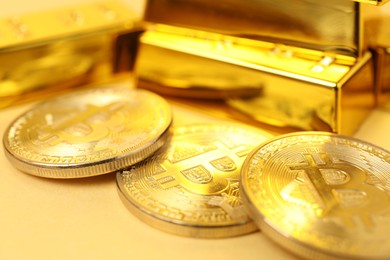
182,229
186,230
87,169
278,236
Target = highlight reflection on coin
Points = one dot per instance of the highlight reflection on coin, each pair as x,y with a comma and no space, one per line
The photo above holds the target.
88,133
321,195
191,186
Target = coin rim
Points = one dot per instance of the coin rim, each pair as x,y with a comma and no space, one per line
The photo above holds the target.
271,230
108,165
182,228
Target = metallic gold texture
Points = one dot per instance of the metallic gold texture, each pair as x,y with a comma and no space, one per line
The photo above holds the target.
41,53
190,187
88,133
373,2
331,26
378,37
179,75
301,88
320,195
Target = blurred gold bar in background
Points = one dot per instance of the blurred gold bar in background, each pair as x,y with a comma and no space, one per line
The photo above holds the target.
301,88
378,35
41,53
332,25
373,2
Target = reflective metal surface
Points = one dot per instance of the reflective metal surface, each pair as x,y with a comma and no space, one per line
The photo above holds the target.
43,53
332,25
190,187
320,195
88,133
373,2
297,83
176,74
378,37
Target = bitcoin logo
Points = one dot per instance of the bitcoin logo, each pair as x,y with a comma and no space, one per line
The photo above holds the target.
321,195
191,187
89,125
342,189
88,133
206,171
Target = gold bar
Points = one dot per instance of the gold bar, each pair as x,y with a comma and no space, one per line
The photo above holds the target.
44,52
331,25
373,2
301,88
378,35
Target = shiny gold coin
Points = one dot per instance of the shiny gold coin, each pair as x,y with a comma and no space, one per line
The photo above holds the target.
88,133
321,195
191,186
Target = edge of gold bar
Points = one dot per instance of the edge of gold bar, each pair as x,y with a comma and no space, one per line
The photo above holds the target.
53,50
378,36
332,26
301,88
373,2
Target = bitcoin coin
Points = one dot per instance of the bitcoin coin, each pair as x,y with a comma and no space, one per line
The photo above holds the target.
321,195
88,133
191,186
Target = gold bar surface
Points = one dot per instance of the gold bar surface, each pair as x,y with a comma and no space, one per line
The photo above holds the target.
302,88
378,35
373,2
41,53
331,26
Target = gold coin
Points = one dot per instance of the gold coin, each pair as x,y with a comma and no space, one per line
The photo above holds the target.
321,195
191,186
88,133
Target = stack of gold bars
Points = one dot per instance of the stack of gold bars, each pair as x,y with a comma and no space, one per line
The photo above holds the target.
287,77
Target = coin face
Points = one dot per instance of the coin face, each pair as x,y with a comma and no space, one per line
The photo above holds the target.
321,195
191,186
88,133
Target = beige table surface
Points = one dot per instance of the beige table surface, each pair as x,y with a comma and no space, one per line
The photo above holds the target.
85,219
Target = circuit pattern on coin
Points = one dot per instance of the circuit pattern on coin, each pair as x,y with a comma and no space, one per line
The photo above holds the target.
88,133
191,186
321,195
